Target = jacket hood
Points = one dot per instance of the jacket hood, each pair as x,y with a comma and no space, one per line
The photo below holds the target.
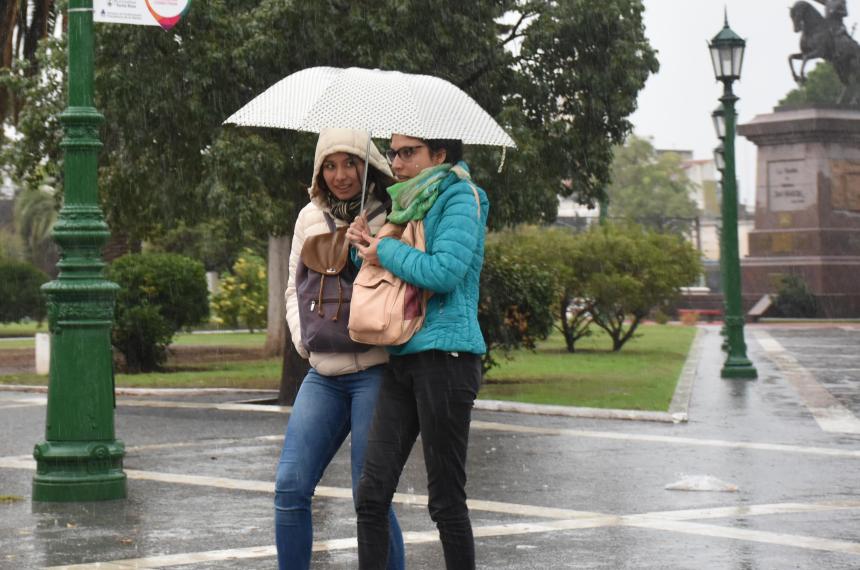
349,141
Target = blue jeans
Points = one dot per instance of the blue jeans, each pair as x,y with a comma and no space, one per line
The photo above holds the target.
326,410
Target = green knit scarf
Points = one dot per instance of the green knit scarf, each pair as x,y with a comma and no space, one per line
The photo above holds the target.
411,199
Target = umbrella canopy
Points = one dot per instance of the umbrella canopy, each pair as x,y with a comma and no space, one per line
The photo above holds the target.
380,102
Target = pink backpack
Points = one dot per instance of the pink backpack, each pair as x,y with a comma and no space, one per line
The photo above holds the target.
386,310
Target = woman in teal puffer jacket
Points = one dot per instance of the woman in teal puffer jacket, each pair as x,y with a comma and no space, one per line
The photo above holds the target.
432,380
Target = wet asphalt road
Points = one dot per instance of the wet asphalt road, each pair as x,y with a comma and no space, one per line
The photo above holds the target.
548,492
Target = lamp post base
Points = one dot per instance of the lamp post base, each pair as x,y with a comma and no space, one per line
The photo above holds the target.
735,367
79,471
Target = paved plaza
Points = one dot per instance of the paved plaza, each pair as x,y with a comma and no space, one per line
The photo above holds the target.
777,459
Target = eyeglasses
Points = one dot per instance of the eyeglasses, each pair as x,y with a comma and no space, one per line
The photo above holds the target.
404,152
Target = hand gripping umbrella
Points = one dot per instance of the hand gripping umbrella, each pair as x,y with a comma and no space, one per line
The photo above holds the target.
379,102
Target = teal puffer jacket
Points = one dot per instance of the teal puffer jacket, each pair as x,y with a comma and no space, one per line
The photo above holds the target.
451,268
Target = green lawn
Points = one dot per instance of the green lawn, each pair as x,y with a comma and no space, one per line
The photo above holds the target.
248,374
21,329
245,340
642,376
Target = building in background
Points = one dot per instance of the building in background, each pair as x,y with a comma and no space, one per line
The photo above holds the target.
704,231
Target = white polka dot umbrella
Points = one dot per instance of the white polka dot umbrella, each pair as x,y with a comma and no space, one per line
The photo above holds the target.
380,102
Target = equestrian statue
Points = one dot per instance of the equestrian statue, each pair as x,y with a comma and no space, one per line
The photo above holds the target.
825,37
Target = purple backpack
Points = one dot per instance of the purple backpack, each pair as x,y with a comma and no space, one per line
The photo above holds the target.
324,278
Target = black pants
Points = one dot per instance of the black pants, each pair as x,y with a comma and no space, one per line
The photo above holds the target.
431,393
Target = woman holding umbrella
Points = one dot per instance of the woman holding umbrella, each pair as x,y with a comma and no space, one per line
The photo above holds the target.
338,394
432,381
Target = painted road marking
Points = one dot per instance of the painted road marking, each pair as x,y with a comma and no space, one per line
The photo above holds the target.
565,519
26,462
828,412
23,403
665,521
716,531
828,451
514,428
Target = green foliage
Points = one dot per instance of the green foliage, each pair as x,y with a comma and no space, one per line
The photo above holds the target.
242,296
20,297
627,271
555,251
822,86
36,211
12,247
650,189
160,293
794,299
583,64
515,304
35,159
207,242
565,96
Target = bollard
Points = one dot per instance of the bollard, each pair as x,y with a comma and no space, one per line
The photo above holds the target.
43,353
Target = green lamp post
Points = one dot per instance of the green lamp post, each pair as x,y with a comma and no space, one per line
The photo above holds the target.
727,55
720,164
80,458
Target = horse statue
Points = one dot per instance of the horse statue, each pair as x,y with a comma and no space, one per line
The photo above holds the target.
827,39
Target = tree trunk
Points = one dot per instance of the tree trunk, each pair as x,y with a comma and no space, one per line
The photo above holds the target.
293,372
8,20
566,330
278,272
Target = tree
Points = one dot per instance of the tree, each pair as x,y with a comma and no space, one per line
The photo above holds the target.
822,87
160,293
556,252
582,65
20,296
650,189
242,294
22,25
628,270
515,304
565,96
35,214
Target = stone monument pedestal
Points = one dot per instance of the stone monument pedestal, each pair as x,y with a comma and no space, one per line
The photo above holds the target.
807,218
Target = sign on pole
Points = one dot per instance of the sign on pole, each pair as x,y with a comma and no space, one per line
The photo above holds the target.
164,13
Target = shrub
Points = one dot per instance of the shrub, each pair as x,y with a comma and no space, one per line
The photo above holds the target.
160,293
243,294
515,308
555,251
627,271
12,247
794,299
20,296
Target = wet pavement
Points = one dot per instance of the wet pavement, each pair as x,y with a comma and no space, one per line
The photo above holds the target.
546,492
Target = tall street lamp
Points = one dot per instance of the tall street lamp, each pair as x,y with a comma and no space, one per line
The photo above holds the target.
727,56
80,459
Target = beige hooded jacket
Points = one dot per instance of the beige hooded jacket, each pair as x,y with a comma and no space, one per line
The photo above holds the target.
310,222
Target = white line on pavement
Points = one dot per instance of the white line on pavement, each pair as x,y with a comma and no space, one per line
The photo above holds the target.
666,521
828,451
830,414
796,541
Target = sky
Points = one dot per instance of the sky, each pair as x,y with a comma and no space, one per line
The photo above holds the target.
676,104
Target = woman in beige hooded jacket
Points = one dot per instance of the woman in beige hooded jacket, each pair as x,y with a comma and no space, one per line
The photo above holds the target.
338,395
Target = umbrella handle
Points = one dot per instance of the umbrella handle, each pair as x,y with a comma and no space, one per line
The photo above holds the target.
366,168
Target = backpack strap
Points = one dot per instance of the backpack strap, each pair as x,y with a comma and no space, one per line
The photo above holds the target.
376,212
330,221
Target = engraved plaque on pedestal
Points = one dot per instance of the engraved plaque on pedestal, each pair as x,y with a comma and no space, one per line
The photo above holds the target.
845,185
787,189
